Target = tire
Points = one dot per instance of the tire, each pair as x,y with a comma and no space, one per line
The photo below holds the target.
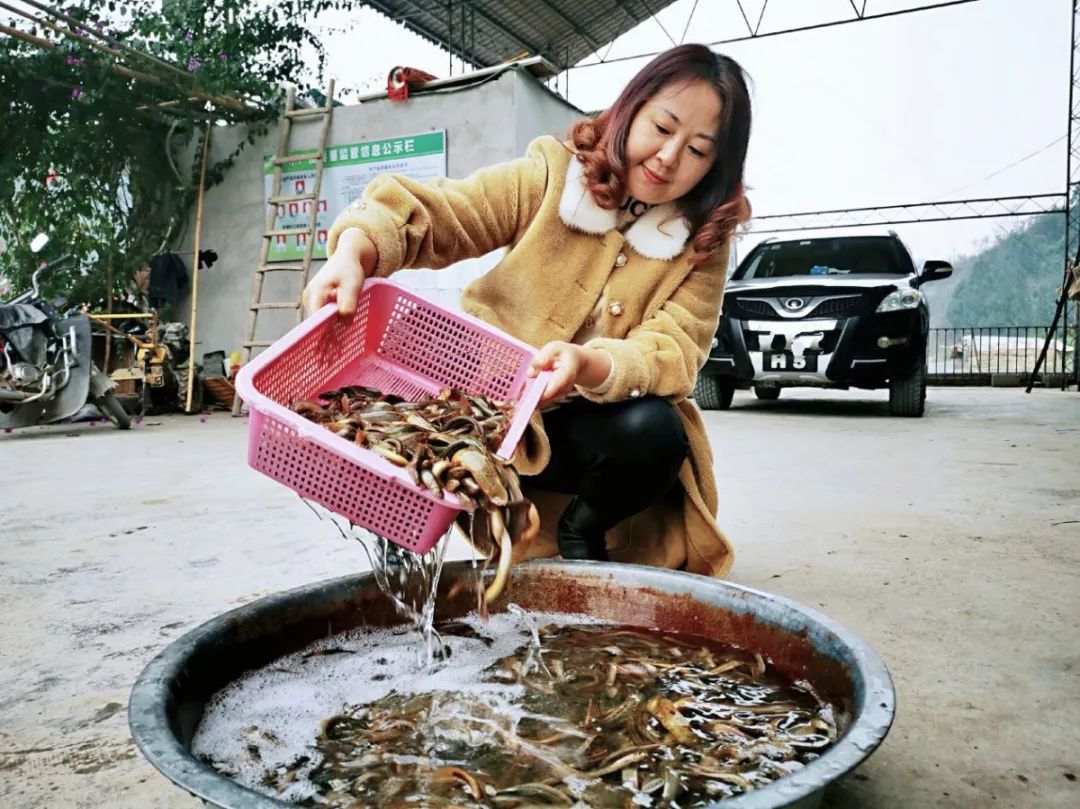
196,390
767,393
111,408
907,395
713,392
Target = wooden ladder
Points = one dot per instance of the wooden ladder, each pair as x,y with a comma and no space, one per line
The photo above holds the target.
302,267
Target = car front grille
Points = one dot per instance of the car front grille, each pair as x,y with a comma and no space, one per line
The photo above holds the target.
750,307
838,307
774,309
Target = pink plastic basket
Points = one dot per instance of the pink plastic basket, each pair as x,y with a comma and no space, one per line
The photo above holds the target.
399,343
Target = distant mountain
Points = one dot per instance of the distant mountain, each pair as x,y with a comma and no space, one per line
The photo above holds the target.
1013,281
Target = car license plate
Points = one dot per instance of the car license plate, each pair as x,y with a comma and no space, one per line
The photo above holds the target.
787,361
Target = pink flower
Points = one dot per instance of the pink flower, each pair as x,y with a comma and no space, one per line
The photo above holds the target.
194,63
77,93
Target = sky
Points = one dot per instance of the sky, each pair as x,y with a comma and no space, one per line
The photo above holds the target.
960,102
918,107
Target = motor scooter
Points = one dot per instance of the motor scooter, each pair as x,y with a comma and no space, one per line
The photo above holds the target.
46,371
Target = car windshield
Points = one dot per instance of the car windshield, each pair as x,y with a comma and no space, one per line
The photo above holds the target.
871,255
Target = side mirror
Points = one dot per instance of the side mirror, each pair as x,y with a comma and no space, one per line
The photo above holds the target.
935,270
39,242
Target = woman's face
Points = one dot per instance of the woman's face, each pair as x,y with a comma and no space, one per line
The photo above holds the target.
671,144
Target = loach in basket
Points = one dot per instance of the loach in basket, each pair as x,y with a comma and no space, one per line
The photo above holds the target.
399,343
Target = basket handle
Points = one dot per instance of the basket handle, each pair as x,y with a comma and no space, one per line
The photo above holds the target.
527,403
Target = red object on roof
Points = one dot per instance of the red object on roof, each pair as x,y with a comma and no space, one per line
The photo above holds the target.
402,78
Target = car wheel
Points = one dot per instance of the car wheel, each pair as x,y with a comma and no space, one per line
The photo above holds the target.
713,392
907,395
767,393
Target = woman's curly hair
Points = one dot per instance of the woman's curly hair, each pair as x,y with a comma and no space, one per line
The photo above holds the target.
717,205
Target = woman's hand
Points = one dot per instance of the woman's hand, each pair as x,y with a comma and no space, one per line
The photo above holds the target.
342,276
570,365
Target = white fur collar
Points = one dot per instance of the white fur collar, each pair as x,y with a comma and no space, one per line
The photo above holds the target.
660,233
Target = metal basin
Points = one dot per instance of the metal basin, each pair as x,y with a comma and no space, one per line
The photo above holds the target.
170,695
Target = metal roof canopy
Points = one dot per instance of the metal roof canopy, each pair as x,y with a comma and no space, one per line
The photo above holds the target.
486,33
566,33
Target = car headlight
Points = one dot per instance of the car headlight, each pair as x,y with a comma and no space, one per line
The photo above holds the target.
900,300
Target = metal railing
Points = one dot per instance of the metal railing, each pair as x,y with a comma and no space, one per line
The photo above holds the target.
973,355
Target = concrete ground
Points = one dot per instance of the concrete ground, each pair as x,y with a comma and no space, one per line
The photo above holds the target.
951,544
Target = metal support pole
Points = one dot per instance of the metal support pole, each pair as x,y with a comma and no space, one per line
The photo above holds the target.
1065,311
1072,224
108,311
195,270
1076,347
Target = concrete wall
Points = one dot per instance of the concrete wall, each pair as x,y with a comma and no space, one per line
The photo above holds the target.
485,124
539,111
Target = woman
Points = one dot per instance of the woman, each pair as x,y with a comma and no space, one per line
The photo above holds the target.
618,251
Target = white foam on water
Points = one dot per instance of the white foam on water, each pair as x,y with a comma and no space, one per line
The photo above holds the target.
278,710
577,786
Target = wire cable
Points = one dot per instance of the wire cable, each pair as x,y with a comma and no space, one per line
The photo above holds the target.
1003,169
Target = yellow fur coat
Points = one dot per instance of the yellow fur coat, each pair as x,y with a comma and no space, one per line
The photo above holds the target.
565,254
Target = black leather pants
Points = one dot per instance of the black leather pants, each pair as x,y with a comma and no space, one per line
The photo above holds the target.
616,459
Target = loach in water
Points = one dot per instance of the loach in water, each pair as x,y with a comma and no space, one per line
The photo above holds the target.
578,714
446,443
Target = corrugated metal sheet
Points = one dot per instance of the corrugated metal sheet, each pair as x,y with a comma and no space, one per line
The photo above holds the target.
489,32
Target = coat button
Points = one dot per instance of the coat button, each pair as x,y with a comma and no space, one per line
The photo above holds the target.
635,393
614,308
620,260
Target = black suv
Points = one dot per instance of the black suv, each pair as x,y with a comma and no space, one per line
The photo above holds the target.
830,312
